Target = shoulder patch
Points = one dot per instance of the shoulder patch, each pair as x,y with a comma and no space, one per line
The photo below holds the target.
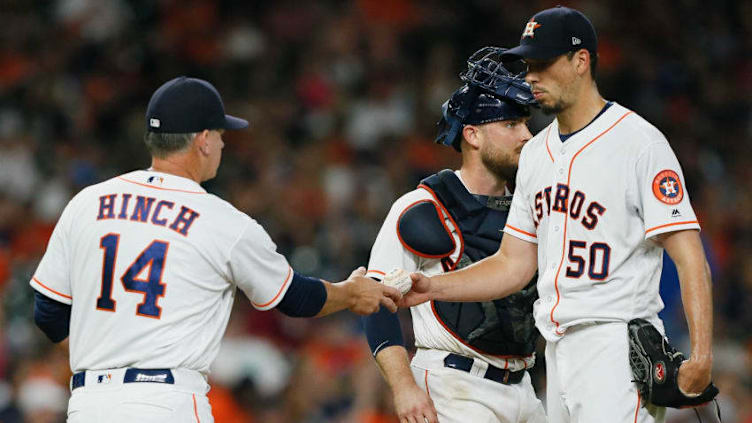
667,187
422,231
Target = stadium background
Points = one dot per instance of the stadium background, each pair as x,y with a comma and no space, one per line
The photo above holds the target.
343,98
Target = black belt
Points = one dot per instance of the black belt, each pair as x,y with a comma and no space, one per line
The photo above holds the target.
507,377
131,376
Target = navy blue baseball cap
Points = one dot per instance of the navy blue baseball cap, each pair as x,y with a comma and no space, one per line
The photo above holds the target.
185,105
553,32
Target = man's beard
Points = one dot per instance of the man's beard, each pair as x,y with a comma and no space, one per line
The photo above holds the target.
555,108
501,164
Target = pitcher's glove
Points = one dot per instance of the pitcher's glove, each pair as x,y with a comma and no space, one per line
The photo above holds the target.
655,366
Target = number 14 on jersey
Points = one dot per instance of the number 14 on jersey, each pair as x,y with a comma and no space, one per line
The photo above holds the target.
151,262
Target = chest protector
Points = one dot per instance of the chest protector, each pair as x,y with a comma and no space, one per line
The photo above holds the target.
500,327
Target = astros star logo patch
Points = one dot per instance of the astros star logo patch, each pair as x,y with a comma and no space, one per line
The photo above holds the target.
529,28
667,187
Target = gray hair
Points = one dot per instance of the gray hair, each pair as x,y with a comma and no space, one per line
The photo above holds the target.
162,145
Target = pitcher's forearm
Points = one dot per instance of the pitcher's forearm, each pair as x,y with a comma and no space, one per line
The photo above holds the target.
685,249
698,308
496,276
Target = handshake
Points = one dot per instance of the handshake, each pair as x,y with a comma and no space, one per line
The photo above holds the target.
366,295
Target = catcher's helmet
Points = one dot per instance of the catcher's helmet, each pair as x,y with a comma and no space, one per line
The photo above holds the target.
490,93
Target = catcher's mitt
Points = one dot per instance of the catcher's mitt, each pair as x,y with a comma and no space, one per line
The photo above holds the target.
655,366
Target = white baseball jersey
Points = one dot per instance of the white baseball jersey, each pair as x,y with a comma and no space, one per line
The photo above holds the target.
592,203
149,262
389,253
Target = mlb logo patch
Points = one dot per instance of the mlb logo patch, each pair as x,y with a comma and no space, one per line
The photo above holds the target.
667,187
154,123
155,180
104,379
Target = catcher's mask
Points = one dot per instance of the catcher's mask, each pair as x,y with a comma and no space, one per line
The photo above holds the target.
490,93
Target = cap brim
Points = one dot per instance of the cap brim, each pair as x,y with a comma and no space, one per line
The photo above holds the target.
528,51
232,122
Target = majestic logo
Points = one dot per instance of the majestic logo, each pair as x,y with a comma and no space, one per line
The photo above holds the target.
530,28
675,213
659,372
667,187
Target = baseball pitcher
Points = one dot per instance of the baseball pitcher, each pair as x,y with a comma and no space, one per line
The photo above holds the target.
599,196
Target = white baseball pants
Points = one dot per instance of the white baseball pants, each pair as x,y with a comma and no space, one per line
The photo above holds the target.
461,397
589,380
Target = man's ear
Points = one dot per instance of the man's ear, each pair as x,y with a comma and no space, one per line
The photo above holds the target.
583,61
470,135
202,142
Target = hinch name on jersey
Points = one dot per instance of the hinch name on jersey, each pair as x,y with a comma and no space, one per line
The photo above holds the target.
147,210
564,201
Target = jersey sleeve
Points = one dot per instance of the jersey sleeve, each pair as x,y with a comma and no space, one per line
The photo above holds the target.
520,223
52,277
664,201
258,269
388,252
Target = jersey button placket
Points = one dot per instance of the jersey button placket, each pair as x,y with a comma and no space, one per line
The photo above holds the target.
562,160
557,223
561,164
555,217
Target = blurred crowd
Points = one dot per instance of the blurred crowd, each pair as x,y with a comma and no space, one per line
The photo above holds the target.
343,98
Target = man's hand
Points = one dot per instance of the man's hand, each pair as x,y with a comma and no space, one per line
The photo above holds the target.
694,376
413,405
661,374
366,295
420,292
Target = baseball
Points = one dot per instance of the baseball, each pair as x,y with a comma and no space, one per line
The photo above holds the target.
399,279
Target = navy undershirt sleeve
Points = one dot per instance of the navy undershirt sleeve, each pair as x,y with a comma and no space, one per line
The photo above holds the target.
305,297
382,330
52,317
